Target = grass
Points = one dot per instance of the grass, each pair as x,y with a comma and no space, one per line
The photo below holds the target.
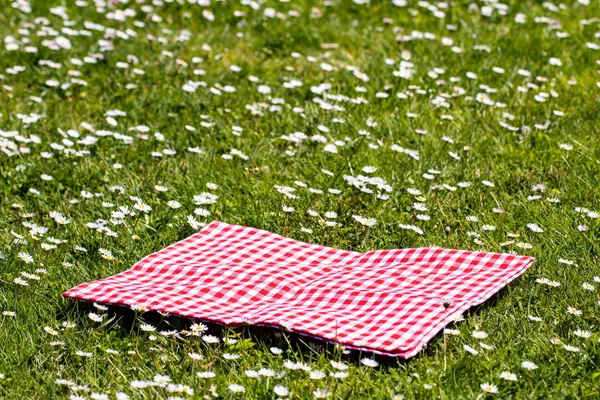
562,156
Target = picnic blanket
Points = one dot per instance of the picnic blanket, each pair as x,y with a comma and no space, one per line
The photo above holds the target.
389,301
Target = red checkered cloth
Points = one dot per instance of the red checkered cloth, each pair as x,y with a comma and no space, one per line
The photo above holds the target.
389,301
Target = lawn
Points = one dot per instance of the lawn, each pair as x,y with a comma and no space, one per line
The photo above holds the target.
466,125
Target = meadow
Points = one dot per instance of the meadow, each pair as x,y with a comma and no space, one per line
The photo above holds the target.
466,125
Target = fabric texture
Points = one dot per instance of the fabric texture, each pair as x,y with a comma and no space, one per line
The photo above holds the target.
388,301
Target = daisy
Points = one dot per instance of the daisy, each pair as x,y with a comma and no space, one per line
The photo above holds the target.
106,254
339,365
528,365
316,375
339,374
95,317
321,393
147,328
25,257
574,311
139,308
369,362
235,388
50,331
571,348
251,373
508,376
174,204
535,228
587,286
21,282
281,391
486,387
583,334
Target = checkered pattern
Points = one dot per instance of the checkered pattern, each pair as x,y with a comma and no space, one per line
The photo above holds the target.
388,301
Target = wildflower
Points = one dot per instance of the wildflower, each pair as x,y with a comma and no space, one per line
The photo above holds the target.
535,228
251,374
139,308
147,328
567,262
95,317
365,221
572,349
143,207
281,391
338,375
161,380
583,334
106,254
508,376
173,388
574,311
457,318
266,372
27,258
485,346
369,362
486,387
50,331
210,339
100,307
174,204
317,374
236,388
587,286
339,365
139,384
321,393
21,282
528,365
